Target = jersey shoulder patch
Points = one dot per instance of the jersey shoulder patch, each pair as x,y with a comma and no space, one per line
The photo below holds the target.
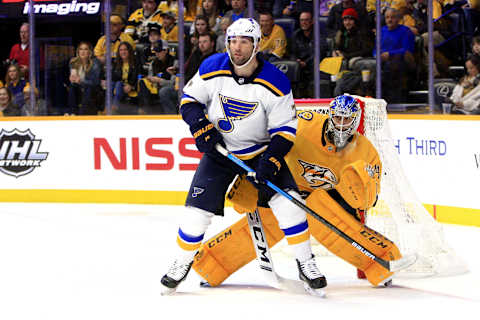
305,115
215,66
273,79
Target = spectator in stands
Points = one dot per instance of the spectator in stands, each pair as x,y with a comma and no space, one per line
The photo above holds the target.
151,85
146,55
472,17
168,93
124,77
20,52
85,70
414,15
224,6
210,10
7,107
16,84
116,37
169,30
40,107
200,26
224,24
140,18
466,94
206,47
397,47
273,44
351,42
371,6
169,6
335,21
476,45
239,10
303,53
1,84
192,8
294,8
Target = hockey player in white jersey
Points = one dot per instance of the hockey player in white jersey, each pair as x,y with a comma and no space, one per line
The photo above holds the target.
245,104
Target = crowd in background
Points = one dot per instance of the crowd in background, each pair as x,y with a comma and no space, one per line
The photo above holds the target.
145,67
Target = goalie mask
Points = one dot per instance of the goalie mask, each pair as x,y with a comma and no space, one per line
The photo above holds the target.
243,28
344,115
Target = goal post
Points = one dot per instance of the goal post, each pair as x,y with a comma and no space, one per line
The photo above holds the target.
398,214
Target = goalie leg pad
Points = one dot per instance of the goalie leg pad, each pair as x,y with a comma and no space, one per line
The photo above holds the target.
321,202
243,195
232,248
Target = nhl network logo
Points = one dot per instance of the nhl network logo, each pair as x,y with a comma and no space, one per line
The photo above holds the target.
19,152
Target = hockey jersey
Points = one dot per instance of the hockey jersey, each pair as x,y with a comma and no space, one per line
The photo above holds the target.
137,23
275,43
248,112
315,162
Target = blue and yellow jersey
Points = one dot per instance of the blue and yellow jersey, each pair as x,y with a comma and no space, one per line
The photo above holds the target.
248,112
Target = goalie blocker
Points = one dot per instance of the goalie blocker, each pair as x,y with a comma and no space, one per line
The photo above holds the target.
232,248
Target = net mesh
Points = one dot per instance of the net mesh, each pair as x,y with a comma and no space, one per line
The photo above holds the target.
398,214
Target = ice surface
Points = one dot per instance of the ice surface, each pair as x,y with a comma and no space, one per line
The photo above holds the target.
92,261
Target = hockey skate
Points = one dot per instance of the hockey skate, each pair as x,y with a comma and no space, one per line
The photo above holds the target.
176,274
313,279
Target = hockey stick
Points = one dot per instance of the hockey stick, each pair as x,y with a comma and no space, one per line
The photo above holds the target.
265,260
393,265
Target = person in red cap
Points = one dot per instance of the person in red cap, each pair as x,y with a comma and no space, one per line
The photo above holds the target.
334,22
351,41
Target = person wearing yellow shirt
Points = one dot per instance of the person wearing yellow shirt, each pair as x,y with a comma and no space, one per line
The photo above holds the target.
372,5
170,5
273,43
116,37
140,18
1,84
169,30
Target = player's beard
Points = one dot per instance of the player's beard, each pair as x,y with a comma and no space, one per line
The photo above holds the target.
240,60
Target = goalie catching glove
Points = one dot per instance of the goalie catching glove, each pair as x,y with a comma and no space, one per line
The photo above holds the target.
359,184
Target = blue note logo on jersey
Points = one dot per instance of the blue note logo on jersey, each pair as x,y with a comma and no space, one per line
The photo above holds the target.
234,109
197,191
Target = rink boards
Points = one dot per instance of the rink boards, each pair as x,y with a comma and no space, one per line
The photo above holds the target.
152,159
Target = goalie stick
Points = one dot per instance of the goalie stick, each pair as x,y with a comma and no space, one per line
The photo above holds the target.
392,266
265,260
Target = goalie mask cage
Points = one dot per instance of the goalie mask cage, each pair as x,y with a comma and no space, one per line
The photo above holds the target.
398,214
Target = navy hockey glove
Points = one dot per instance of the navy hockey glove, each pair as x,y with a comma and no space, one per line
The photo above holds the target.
206,136
268,167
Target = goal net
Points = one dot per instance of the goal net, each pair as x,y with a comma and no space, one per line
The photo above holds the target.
398,213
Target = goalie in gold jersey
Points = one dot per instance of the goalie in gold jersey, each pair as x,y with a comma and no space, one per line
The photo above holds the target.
339,171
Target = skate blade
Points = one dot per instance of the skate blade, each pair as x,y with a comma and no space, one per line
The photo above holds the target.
205,284
386,283
315,292
165,291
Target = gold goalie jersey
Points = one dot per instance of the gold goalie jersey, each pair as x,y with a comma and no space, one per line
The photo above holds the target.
337,185
315,162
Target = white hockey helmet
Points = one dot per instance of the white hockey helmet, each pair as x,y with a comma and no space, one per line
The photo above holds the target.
344,115
244,27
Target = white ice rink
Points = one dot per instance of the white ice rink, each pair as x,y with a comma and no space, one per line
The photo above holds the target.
104,262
